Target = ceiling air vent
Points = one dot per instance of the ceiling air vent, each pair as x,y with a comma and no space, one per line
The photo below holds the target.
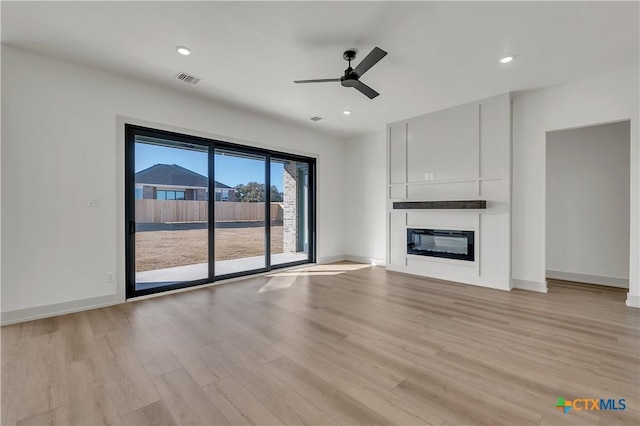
187,78
316,118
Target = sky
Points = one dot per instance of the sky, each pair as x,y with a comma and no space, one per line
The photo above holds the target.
229,170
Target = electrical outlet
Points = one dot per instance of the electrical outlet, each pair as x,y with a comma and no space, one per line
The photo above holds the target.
93,202
429,175
111,277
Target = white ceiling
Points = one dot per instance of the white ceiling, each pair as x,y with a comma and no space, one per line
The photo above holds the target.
440,53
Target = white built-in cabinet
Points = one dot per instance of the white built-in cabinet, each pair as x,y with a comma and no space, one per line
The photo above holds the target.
461,153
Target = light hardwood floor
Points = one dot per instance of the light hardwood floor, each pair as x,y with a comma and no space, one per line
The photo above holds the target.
334,344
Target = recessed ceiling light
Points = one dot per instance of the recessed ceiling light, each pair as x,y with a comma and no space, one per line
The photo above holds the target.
346,112
183,50
506,59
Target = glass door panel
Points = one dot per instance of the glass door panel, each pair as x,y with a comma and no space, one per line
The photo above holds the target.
199,210
239,212
170,209
289,211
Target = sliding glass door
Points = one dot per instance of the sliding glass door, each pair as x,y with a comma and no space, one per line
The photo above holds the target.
170,229
199,210
290,219
240,212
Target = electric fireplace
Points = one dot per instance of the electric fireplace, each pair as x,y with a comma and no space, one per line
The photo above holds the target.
445,243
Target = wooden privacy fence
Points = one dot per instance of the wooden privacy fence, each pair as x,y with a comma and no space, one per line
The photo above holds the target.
163,211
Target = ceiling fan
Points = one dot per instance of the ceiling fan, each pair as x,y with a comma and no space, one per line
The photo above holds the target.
351,77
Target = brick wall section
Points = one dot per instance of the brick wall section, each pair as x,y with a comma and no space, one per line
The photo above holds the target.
290,219
201,195
189,194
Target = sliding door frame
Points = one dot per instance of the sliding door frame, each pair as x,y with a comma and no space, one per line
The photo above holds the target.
267,228
131,131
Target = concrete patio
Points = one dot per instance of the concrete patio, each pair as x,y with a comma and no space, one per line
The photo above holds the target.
199,271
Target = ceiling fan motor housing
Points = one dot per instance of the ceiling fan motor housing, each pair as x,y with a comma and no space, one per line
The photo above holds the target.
349,80
351,77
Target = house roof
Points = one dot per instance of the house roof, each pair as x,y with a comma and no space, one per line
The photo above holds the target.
172,174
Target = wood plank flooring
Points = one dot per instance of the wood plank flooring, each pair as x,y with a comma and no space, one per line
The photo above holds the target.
334,344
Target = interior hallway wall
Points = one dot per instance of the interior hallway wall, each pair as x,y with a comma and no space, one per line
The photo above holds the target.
365,198
602,99
588,204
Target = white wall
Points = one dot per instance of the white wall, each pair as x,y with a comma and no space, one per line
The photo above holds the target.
63,144
1,54
588,204
606,98
365,201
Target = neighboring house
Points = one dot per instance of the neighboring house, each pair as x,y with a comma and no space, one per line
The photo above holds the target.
173,182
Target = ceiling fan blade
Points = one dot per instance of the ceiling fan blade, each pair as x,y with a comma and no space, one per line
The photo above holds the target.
321,80
370,60
366,90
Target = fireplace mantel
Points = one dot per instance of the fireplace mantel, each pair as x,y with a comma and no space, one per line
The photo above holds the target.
467,204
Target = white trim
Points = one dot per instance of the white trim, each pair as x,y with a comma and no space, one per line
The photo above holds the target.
38,312
589,279
331,259
529,285
633,300
366,260
448,277
589,125
456,262
46,311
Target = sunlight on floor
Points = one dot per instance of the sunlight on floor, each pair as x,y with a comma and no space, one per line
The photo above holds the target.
286,279
335,267
278,283
305,273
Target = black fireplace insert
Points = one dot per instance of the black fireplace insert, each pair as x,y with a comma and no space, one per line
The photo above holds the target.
450,244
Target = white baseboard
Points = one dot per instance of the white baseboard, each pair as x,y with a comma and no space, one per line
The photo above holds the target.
46,311
331,259
367,260
529,285
589,279
449,277
633,300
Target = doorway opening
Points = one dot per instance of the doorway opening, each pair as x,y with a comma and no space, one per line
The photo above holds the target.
587,204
